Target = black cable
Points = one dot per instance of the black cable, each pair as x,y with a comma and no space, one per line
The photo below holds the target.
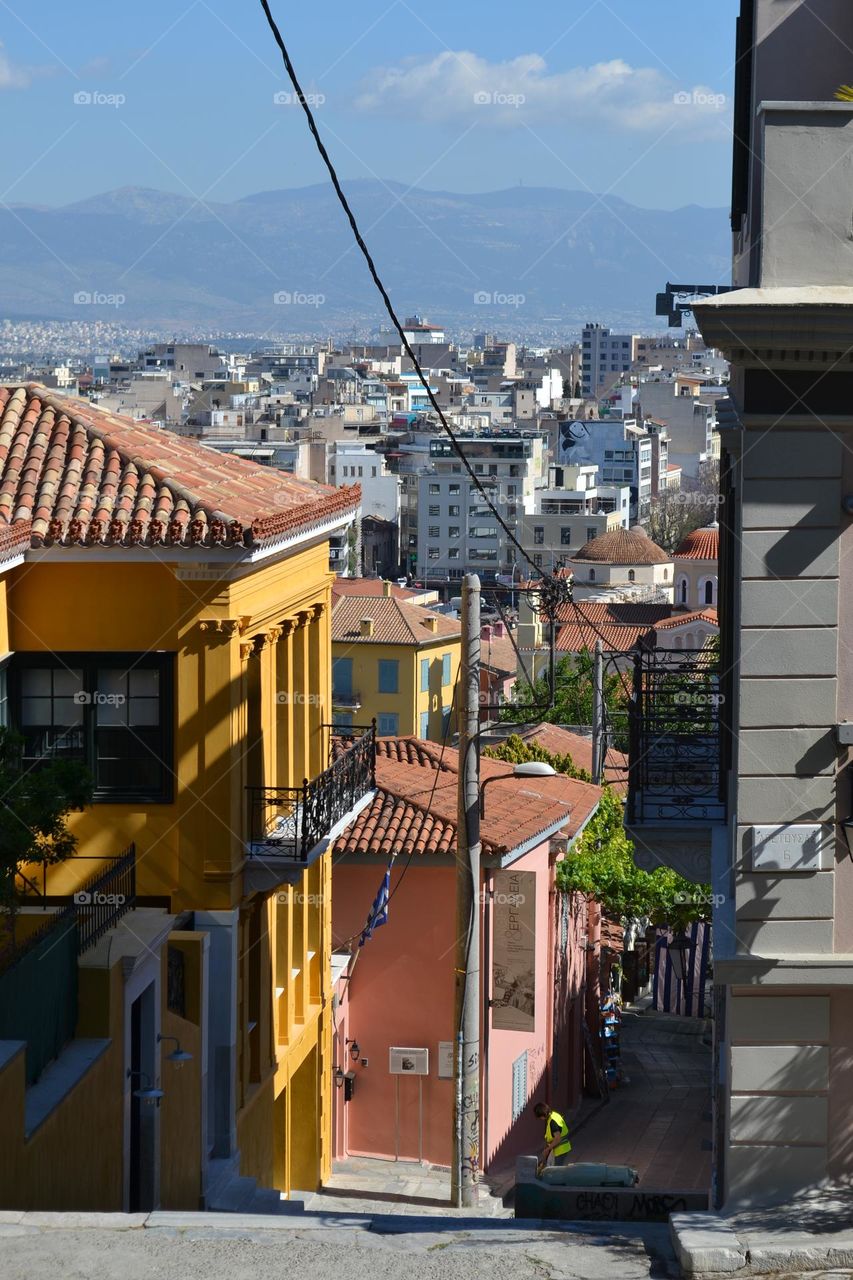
389,306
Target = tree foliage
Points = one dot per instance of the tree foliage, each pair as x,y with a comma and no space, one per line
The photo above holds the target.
516,751
676,512
601,865
573,697
34,808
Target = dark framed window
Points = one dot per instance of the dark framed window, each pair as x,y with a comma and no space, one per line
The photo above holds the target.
112,711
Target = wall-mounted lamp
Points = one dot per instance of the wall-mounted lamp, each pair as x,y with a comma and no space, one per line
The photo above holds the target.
354,1050
339,1077
178,1055
146,1092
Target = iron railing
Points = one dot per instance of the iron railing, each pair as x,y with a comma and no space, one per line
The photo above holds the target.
102,901
675,738
289,822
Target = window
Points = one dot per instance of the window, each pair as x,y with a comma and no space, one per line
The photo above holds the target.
566,535
631,575
709,591
682,589
537,559
453,509
434,553
113,712
343,720
435,488
592,532
453,553
434,531
388,724
424,675
453,531
519,1086
424,724
453,488
434,509
389,675
342,676
538,535
592,575
445,668
445,727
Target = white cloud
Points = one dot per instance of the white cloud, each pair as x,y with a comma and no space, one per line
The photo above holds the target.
461,86
12,76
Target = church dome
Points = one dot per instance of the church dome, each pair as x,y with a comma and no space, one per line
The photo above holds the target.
623,546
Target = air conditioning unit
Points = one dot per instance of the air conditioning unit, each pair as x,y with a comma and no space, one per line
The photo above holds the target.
408,1062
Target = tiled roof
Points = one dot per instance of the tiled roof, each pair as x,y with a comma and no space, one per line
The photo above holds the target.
571,638
701,544
76,475
560,741
14,540
372,587
627,614
394,622
499,654
622,546
708,614
414,810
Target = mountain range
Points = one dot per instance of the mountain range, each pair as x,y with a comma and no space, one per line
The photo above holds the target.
524,259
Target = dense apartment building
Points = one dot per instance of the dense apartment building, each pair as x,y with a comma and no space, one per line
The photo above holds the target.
605,357
624,452
572,510
457,531
684,406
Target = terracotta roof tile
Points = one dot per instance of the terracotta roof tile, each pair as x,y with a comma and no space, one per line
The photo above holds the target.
624,614
572,638
414,810
75,475
708,614
376,587
622,546
701,544
560,741
394,621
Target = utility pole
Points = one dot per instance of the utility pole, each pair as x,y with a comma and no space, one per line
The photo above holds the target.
597,715
466,1117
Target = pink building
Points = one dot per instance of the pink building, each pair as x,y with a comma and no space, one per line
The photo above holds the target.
397,991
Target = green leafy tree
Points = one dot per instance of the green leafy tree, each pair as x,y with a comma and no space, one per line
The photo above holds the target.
601,865
516,751
573,696
34,808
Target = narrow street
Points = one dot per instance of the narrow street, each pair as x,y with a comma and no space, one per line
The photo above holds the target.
659,1119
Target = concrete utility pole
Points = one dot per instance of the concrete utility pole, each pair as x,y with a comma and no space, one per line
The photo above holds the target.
597,715
466,1118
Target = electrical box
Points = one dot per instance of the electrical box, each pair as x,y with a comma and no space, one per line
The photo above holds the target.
408,1062
349,1086
844,733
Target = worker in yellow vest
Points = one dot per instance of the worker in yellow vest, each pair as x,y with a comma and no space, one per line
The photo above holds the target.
556,1135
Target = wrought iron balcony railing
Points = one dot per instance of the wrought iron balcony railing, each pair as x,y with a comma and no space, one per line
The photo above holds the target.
102,901
346,698
675,738
288,822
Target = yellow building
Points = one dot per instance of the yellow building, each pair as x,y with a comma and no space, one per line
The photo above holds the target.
395,663
165,618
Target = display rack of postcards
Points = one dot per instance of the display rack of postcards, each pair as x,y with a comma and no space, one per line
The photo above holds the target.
611,1048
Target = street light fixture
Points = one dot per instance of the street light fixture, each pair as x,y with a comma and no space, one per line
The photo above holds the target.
146,1092
178,1055
678,949
530,769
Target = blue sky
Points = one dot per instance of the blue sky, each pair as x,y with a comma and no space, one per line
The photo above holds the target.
631,97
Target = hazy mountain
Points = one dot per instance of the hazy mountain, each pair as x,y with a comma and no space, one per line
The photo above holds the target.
522,258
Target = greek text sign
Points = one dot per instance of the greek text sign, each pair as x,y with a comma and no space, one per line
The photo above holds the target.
796,847
514,951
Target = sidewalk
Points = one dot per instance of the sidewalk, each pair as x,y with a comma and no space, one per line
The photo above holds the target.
364,1185
659,1119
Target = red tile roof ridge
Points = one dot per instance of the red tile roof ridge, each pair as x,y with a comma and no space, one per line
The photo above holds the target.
707,614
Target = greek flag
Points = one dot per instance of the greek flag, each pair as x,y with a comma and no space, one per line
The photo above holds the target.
379,911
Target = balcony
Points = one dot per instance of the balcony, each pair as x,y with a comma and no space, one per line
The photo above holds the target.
346,700
676,777
287,824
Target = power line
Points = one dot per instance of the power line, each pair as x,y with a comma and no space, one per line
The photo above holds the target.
389,306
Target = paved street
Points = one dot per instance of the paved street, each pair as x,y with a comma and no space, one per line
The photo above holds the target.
326,1248
659,1121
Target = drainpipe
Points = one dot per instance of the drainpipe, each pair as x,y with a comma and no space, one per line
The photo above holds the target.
487,1005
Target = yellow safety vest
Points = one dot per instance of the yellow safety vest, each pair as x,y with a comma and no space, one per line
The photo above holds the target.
558,1123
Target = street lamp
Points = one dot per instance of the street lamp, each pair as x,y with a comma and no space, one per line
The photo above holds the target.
678,949
530,769
146,1092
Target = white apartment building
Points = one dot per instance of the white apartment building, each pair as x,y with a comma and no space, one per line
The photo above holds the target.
457,531
572,511
690,421
354,462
